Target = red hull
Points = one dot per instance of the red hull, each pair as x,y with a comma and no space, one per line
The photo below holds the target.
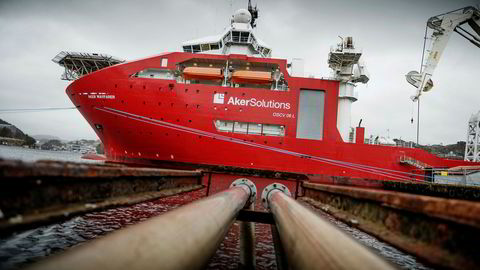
141,119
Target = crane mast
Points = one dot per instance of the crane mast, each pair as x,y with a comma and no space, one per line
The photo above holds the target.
443,26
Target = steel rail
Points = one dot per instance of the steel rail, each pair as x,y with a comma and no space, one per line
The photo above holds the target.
309,242
184,238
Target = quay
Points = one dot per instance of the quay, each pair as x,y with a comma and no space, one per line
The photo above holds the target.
432,222
46,191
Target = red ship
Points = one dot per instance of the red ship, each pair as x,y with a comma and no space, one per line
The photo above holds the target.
225,102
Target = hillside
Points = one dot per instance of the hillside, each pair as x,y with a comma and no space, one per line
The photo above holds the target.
4,122
8,130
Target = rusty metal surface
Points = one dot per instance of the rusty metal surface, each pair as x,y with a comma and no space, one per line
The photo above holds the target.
42,192
461,192
310,242
247,243
459,211
237,171
438,230
421,188
184,238
22,170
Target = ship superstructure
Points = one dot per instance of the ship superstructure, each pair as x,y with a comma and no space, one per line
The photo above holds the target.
224,102
238,38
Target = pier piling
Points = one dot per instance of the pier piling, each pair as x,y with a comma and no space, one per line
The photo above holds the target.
42,192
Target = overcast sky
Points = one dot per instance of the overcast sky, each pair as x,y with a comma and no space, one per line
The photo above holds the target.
389,32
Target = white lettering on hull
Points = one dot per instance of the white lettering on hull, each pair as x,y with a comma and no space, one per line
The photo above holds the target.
283,115
101,96
253,102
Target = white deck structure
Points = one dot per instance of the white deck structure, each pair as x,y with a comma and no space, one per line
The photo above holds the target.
344,60
472,148
238,38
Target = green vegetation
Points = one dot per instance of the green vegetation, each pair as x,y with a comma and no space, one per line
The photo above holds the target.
10,131
457,149
51,145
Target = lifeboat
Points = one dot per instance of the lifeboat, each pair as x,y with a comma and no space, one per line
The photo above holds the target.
247,76
202,73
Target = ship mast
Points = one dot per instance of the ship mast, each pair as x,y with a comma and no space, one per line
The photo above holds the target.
254,12
345,62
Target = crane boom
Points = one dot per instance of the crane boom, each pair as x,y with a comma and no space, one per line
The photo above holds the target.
443,26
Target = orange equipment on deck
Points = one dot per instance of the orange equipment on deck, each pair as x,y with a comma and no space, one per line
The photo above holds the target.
247,76
202,73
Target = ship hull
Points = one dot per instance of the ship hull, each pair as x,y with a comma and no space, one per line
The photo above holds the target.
154,121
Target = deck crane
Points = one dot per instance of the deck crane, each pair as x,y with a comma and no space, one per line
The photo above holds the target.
443,25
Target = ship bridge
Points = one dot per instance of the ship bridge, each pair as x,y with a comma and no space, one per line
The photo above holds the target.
238,38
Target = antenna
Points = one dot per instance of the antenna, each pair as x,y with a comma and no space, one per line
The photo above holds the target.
254,12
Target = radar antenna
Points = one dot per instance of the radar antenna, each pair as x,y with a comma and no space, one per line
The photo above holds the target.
254,12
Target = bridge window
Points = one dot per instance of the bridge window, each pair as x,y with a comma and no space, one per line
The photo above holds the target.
235,36
202,47
155,73
244,37
205,47
240,37
196,48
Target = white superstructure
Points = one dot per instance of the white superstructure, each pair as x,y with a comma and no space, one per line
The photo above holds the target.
472,148
238,38
344,60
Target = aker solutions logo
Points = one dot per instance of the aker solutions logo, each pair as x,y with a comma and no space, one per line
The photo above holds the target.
219,98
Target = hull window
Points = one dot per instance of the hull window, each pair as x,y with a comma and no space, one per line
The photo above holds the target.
272,130
310,114
254,128
250,128
240,127
224,126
